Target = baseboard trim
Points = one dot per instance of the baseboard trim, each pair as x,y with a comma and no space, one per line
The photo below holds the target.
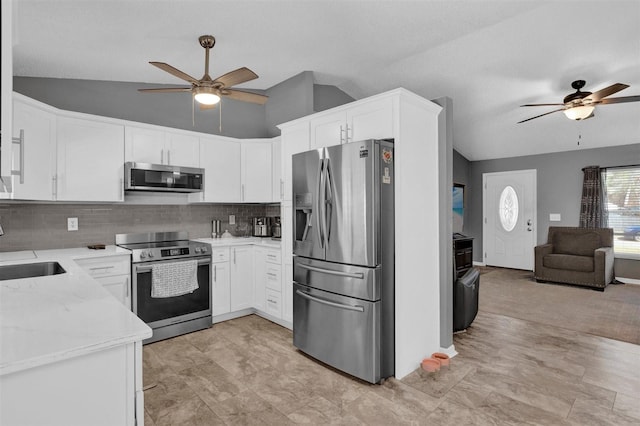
628,280
478,263
451,351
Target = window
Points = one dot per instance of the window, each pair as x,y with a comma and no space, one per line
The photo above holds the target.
622,204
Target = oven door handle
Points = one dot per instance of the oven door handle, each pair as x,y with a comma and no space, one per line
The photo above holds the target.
148,268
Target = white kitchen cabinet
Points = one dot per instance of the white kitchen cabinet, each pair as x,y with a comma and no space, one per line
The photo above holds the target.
277,186
37,165
267,281
286,210
90,160
6,101
372,119
294,139
256,171
220,158
241,277
156,145
287,294
221,286
113,272
259,277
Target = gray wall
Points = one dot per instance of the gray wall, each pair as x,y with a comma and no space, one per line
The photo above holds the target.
122,100
288,100
327,97
559,181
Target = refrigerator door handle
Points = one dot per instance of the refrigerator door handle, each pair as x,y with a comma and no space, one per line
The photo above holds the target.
357,308
320,210
358,275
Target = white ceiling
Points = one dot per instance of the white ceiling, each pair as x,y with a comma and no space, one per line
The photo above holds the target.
488,56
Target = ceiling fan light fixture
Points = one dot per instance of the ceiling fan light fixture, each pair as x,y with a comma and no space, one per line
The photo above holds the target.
579,112
207,96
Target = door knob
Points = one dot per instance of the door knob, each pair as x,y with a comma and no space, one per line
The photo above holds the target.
529,222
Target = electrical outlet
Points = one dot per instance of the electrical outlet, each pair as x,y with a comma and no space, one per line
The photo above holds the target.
72,224
232,219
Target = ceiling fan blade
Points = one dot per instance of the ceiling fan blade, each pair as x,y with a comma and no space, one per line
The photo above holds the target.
175,71
166,89
528,105
241,75
607,91
619,100
541,115
240,95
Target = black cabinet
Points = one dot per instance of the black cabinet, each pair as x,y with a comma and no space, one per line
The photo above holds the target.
462,255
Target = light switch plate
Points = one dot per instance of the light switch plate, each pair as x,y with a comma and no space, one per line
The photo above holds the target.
555,217
232,219
72,224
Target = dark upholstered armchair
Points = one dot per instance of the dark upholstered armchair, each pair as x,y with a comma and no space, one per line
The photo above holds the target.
579,256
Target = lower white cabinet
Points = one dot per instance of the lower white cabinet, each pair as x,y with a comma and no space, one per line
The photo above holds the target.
241,277
268,281
220,284
113,272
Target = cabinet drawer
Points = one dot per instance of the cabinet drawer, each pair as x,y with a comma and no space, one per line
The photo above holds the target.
273,256
273,279
106,266
220,255
274,305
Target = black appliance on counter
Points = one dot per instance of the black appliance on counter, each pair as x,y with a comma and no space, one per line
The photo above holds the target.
174,315
466,283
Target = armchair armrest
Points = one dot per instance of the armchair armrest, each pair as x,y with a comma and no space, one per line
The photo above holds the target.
603,259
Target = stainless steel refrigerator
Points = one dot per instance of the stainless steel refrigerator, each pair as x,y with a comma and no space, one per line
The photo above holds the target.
343,298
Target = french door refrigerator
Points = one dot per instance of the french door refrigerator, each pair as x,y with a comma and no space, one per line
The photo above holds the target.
343,298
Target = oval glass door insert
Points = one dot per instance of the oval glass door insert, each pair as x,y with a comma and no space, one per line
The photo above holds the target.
508,208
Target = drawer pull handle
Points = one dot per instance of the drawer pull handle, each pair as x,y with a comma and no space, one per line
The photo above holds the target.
357,308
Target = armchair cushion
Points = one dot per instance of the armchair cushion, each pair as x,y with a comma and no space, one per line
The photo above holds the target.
575,243
568,262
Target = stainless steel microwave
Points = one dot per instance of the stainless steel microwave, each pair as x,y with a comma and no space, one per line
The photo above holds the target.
162,178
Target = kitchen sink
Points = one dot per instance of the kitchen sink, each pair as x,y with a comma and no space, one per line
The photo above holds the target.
30,270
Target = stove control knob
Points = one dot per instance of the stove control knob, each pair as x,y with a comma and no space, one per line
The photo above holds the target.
204,249
143,255
150,254
198,249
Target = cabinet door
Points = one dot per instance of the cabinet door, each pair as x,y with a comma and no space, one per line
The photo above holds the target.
294,139
221,288
371,120
241,277
39,150
259,277
287,294
118,286
145,145
256,171
328,130
220,160
276,171
183,150
90,160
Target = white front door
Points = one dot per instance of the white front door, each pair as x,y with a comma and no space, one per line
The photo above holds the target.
509,211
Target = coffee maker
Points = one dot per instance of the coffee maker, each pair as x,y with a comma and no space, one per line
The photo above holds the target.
261,227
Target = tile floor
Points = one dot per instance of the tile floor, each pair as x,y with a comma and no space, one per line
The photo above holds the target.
508,372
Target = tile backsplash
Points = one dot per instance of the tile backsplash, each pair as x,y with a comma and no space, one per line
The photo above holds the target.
44,226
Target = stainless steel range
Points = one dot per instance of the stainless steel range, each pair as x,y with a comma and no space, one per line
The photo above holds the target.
171,285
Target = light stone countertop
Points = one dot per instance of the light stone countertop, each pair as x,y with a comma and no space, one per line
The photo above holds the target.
235,241
49,319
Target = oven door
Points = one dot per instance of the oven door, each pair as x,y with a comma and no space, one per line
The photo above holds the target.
160,312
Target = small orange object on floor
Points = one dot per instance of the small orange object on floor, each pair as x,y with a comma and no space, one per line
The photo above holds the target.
430,365
443,359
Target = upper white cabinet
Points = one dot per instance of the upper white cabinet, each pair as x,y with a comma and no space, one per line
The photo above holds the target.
90,160
35,156
277,185
6,77
256,171
155,145
294,139
372,119
220,159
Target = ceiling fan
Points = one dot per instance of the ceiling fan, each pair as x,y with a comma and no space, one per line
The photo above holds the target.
580,105
206,91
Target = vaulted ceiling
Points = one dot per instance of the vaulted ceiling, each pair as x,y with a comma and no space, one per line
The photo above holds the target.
488,56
